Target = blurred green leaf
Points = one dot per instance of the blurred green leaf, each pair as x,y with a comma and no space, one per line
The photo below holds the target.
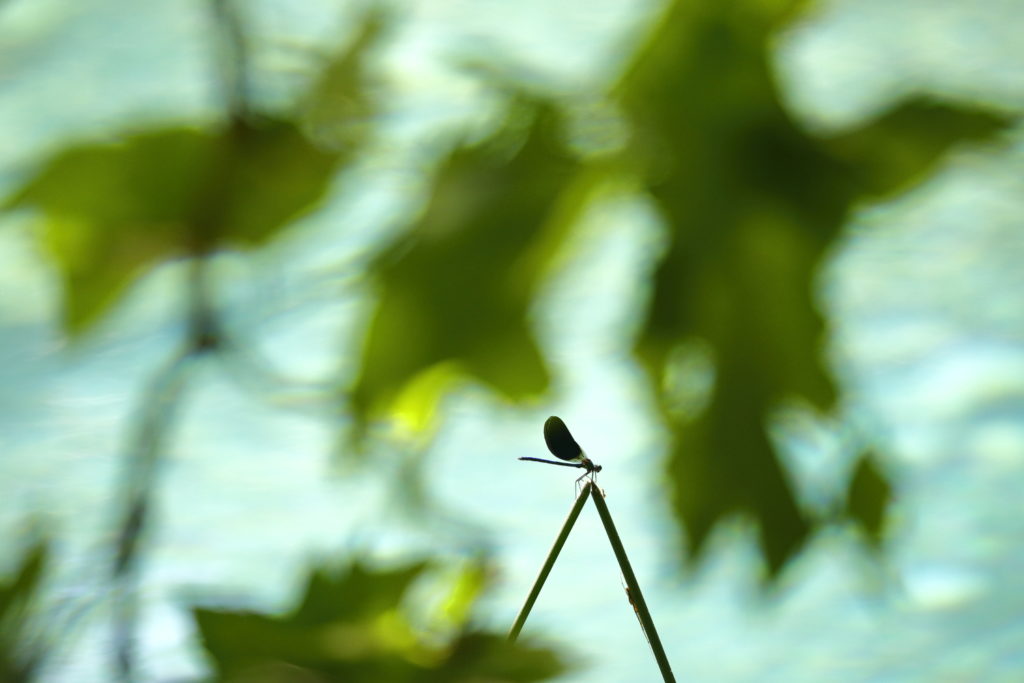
903,144
19,654
469,584
752,203
491,657
455,292
350,627
338,108
111,210
868,497
366,593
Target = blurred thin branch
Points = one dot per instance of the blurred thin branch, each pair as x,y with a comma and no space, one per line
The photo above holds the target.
145,451
147,446
234,57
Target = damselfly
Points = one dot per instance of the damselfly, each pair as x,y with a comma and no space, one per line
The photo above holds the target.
563,446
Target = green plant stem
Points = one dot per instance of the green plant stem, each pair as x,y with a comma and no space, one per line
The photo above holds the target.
635,596
570,520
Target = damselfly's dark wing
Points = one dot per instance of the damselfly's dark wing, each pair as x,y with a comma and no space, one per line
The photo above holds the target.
560,441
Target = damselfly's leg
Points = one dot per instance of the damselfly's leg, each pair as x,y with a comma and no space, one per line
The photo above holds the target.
581,478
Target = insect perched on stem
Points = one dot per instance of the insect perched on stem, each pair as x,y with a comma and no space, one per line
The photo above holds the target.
563,446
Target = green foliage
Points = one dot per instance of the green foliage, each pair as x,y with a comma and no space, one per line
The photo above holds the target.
455,294
20,652
867,498
111,210
752,203
338,109
350,626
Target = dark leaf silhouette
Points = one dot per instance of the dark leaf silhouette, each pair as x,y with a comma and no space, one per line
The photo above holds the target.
111,210
20,649
350,626
868,496
339,108
455,293
752,204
